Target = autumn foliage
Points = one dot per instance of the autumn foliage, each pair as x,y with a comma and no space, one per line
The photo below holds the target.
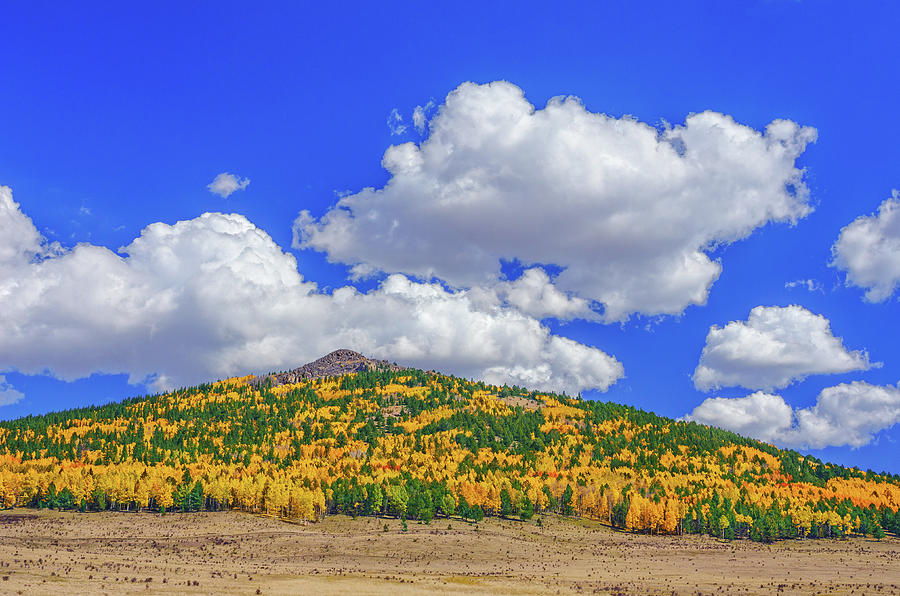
418,445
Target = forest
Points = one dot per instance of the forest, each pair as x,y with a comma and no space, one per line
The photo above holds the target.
417,445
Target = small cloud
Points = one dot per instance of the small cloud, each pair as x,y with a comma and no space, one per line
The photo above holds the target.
535,295
420,115
84,211
8,395
775,347
811,285
395,122
225,184
362,271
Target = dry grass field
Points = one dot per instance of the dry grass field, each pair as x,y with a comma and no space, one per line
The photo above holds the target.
44,552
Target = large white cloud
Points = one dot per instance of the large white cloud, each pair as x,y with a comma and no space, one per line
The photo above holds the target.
215,296
846,414
775,347
868,250
629,211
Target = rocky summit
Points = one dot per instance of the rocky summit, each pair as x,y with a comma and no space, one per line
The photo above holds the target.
337,363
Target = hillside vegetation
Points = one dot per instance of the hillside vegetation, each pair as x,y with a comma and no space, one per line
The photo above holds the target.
416,445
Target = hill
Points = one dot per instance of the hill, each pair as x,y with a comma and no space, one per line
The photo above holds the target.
374,439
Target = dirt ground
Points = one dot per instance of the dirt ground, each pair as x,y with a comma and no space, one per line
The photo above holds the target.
44,552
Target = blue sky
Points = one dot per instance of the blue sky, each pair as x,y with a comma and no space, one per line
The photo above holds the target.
113,121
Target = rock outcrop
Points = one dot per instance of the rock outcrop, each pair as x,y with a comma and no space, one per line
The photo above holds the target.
339,362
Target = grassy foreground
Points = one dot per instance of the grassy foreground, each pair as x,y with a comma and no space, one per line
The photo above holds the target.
45,552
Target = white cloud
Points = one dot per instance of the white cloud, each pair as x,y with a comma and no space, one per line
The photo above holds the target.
760,415
846,414
535,295
225,184
215,296
775,347
395,122
8,394
19,240
811,285
868,250
628,211
420,116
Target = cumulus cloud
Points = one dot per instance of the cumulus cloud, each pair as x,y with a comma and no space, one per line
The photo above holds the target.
630,212
224,184
760,415
775,347
19,239
846,414
215,296
535,295
868,250
8,395
395,122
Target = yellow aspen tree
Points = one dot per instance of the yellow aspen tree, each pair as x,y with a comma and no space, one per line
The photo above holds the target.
633,517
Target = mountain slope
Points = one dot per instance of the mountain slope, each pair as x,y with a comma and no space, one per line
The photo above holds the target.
417,444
